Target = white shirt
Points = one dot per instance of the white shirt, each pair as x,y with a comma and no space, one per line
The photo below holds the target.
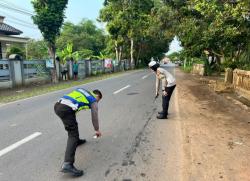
167,79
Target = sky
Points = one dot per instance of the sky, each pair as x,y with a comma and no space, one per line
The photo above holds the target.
75,12
174,46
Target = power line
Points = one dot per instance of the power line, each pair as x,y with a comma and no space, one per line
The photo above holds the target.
12,17
24,25
16,6
15,9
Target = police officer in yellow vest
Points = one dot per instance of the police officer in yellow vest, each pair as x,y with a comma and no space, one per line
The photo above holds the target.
66,108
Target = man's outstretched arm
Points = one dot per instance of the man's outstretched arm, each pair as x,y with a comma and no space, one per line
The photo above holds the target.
94,115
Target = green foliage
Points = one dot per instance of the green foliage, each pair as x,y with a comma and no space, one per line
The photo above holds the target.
198,60
49,17
138,22
37,49
175,56
66,53
16,49
100,57
187,69
86,54
236,64
84,35
222,28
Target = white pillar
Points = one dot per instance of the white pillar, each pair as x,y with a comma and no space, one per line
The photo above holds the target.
16,66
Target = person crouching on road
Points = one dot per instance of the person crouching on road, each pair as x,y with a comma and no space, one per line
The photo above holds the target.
66,108
168,86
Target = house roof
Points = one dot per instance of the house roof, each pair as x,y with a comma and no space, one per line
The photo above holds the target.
9,30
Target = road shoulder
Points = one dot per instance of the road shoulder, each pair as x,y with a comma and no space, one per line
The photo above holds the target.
216,133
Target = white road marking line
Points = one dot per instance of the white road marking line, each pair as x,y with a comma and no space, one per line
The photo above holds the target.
121,89
19,143
145,76
13,125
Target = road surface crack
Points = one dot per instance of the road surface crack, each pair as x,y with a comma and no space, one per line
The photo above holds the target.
138,139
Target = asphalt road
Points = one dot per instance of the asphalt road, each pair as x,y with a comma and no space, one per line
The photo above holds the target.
33,139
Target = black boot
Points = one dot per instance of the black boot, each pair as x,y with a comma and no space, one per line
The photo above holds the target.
162,116
161,112
81,141
69,168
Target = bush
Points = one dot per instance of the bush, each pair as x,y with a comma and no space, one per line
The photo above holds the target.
187,69
198,60
236,64
230,64
15,49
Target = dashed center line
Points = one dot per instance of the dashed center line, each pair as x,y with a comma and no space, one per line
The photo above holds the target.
121,89
19,143
145,76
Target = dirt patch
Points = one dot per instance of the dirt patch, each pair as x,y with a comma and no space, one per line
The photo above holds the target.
216,132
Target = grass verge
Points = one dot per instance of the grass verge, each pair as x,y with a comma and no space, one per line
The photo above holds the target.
11,95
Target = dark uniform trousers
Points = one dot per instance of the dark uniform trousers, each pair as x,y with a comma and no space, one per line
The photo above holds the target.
68,117
166,99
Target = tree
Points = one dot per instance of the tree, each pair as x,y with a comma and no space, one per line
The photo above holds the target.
16,49
135,26
219,27
67,53
174,56
112,13
49,18
37,49
84,35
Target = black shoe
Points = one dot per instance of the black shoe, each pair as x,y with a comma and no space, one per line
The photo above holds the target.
69,168
162,116
161,112
81,141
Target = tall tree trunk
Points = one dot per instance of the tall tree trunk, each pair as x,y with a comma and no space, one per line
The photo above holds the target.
132,53
116,51
120,54
52,54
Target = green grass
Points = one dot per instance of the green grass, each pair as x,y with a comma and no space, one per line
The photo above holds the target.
12,95
187,69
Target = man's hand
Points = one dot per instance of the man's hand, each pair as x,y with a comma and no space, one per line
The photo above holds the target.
97,134
164,93
156,95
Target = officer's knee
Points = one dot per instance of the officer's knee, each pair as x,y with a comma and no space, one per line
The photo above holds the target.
72,130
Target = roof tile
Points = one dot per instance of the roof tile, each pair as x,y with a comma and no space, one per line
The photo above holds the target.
9,30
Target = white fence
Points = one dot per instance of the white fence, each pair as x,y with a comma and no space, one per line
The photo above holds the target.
4,70
18,73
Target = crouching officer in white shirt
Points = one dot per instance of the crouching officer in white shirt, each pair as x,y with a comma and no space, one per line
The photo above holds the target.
168,86
66,108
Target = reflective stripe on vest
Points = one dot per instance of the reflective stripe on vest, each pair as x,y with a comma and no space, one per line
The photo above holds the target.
82,98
